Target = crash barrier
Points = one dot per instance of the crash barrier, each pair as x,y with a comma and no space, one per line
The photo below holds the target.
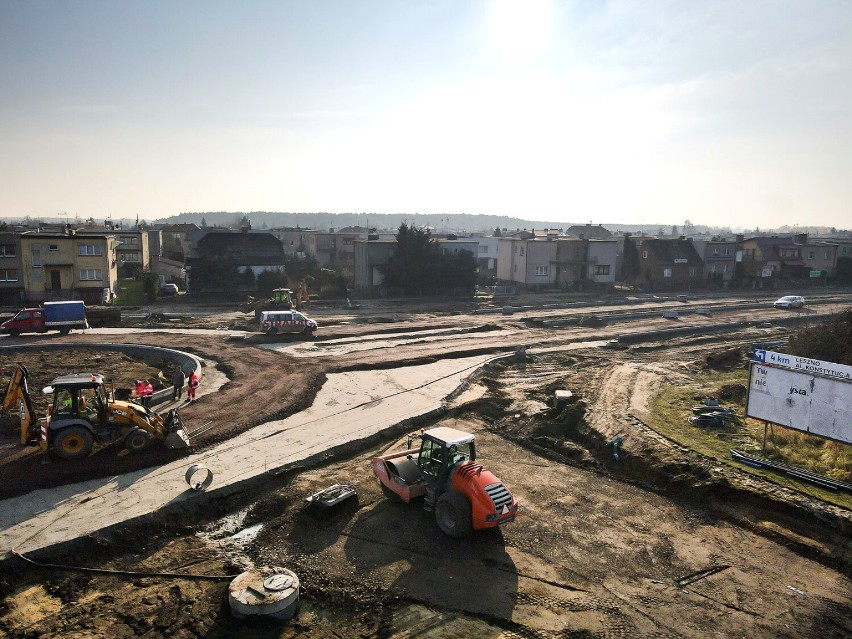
186,361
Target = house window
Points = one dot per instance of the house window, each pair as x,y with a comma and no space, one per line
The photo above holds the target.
541,270
724,268
7,250
828,255
8,275
601,269
91,274
36,256
644,255
53,247
713,268
130,257
130,240
715,251
516,249
522,251
727,250
811,255
89,249
693,271
667,272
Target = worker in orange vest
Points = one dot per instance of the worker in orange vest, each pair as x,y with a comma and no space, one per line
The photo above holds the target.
139,391
148,394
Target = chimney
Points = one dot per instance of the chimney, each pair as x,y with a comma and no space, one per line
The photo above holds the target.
801,238
740,238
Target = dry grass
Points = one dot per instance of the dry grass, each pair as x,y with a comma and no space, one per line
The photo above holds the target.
673,405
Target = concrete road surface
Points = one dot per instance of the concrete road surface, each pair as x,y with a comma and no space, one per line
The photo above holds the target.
349,407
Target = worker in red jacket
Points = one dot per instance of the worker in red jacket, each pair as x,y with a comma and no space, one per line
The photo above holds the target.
192,385
148,393
139,391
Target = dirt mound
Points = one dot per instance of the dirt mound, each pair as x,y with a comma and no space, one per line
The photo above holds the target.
724,360
734,393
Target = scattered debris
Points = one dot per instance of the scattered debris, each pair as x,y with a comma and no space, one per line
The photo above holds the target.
699,575
332,497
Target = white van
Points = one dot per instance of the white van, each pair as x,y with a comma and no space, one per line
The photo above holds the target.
275,322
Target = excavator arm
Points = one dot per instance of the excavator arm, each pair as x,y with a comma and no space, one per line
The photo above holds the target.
18,399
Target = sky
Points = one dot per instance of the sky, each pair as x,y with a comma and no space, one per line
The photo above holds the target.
728,113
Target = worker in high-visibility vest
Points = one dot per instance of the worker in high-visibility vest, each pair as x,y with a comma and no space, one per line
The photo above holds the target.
139,391
148,393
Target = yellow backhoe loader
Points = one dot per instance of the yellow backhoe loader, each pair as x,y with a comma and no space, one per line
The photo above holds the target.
82,413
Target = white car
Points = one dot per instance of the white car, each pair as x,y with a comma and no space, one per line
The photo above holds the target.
790,301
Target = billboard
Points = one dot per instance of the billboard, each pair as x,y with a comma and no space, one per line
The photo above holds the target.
807,395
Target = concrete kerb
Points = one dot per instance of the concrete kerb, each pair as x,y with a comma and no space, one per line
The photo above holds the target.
186,361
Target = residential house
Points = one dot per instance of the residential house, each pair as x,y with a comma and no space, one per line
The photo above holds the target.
486,256
669,264
370,256
589,232
11,281
67,266
769,261
602,256
526,261
178,240
336,249
570,262
719,257
454,246
245,251
296,241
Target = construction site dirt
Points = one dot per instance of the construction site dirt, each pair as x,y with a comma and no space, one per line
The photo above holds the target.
621,532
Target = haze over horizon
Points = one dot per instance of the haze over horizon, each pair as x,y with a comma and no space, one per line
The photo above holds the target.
723,113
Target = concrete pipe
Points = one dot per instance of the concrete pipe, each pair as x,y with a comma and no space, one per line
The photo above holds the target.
199,477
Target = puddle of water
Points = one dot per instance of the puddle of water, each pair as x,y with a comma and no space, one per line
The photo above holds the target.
229,534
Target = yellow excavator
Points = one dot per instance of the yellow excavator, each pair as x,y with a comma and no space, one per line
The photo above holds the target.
82,413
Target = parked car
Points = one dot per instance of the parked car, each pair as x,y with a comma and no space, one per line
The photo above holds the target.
275,322
169,289
790,301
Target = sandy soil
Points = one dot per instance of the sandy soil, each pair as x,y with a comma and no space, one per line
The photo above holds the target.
659,543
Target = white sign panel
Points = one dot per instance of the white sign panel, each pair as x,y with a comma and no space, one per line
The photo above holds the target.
804,364
802,401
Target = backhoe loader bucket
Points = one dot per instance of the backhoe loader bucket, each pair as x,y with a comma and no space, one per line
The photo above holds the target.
176,435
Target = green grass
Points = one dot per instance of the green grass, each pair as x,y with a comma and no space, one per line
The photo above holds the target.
673,405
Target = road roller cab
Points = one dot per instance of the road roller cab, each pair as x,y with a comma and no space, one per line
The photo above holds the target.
443,470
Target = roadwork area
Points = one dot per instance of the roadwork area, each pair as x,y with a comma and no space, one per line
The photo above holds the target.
639,538
350,407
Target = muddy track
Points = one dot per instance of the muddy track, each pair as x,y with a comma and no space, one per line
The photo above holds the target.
263,386
615,392
600,549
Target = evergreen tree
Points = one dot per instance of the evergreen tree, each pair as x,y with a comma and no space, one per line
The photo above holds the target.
630,265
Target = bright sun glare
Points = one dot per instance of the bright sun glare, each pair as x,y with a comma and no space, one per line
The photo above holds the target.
520,30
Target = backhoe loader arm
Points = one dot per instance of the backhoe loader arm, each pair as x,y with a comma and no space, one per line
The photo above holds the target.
18,398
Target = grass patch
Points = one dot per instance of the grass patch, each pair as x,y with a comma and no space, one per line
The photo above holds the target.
673,405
